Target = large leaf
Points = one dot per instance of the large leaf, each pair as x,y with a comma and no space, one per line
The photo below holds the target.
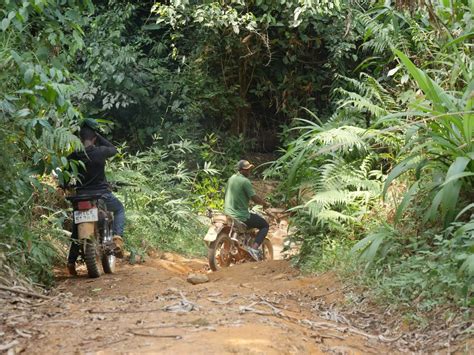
440,99
468,265
370,245
407,197
406,165
448,196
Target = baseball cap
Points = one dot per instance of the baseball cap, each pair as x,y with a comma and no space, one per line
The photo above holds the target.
244,165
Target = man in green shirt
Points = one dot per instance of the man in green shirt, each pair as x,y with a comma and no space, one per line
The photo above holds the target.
239,192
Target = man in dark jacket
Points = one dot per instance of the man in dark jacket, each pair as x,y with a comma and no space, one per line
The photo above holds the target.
92,180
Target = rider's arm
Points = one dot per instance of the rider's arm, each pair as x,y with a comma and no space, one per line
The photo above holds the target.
105,146
249,190
260,201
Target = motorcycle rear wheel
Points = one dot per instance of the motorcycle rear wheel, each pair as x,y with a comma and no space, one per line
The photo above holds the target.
91,259
267,250
219,255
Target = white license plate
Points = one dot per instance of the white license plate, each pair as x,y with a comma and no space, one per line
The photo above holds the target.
211,234
91,215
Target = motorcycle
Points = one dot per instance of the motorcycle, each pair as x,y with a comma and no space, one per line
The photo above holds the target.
228,239
94,225
94,231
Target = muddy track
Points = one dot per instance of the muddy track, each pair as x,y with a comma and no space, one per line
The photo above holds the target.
252,308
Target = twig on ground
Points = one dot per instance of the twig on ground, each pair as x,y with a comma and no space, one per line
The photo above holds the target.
275,310
41,303
326,325
114,342
21,292
200,329
326,335
247,309
23,334
73,322
183,306
8,346
124,311
159,326
333,291
173,336
215,300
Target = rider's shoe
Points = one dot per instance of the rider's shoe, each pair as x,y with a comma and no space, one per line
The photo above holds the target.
118,241
71,267
254,253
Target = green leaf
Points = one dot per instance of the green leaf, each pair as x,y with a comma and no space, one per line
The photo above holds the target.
464,210
416,73
447,197
5,23
407,197
400,169
22,113
456,177
440,99
468,266
458,40
64,161
16,57
152,26
28,76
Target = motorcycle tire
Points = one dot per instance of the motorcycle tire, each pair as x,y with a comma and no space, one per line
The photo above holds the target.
267,250
108,263
91,259
217,262
108,260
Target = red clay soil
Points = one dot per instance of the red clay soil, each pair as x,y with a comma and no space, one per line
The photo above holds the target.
252,308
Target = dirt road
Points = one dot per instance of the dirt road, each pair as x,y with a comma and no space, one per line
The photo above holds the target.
252,308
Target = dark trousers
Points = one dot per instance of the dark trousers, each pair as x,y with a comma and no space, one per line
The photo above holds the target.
255,221
114,205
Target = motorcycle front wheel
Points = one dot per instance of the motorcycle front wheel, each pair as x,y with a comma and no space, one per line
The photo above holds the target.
219,253
108,263
108,260
267,249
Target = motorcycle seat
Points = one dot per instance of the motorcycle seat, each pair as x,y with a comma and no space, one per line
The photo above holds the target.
240,225
78,198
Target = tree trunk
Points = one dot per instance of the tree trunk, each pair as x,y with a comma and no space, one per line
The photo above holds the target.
240,123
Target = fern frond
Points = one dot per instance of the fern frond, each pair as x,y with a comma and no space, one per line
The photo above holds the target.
362,103
343,138
331,216
60,139
329,198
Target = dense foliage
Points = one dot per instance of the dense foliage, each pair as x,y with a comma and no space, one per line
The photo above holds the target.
402,133
372,102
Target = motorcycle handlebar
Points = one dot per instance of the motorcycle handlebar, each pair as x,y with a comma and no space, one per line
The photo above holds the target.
122,183
113,185
210,212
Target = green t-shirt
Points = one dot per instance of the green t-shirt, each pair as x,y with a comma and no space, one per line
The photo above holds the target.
238,192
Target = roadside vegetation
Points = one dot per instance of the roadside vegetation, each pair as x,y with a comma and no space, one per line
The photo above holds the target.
367,106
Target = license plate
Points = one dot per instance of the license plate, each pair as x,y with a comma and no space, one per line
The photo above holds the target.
91,215
211,234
